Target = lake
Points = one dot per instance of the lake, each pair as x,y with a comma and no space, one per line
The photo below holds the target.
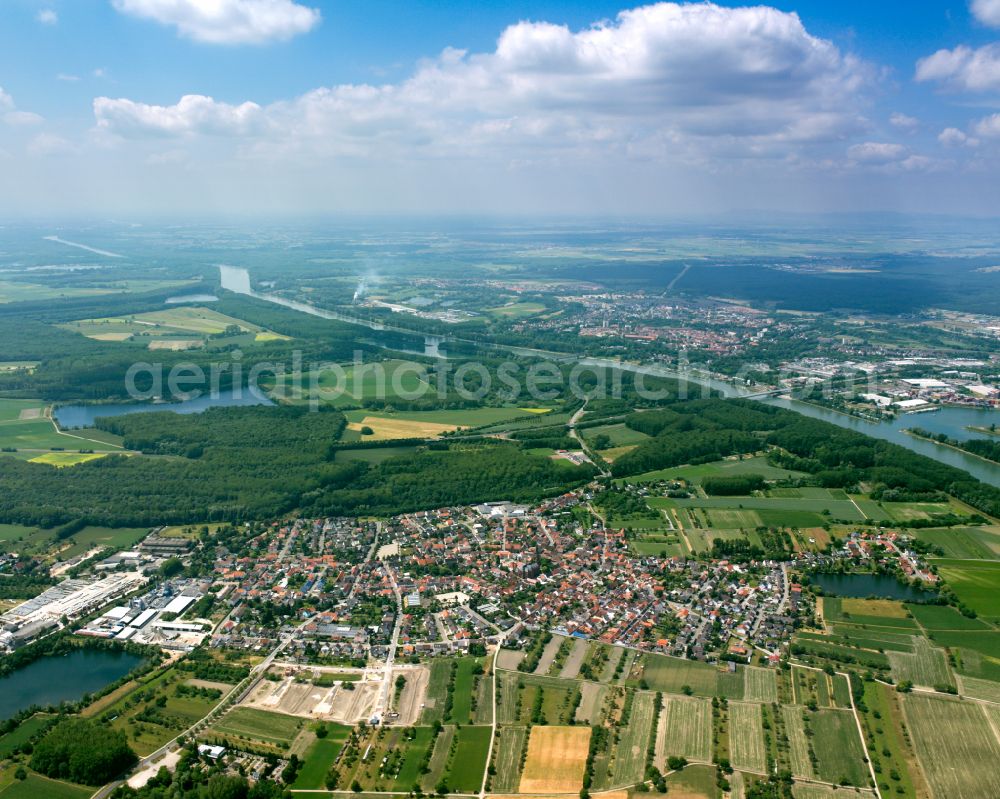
865,585
54,679
76,416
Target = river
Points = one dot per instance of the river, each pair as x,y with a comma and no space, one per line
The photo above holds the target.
952,421
54,679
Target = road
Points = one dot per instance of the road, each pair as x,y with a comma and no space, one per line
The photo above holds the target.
382,705
256,674
571,424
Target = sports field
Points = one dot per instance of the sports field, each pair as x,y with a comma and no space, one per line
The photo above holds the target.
947,732
557,757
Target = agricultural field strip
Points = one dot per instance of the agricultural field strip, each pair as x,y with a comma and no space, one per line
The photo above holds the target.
946,732
798,742
684,729
746,737
633,742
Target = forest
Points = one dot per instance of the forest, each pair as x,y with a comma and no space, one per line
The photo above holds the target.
237,464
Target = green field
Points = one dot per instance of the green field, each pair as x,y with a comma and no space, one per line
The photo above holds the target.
39,787
760,685
461,708
746,737
798,741
786,511
695,474
320,756
24,731
927,665
620,434
465,770
510,743
250,723
839,751
437,691
685,729
670,675
968,543
947,733
977,584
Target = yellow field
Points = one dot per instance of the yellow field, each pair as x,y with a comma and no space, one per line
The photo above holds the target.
111,336
557,758
874,607
63,459
611,455
400,428
535,410
267,335
175,345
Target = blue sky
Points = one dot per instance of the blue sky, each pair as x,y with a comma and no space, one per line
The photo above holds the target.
554,107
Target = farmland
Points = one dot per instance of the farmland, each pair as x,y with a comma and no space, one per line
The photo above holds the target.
838,748
556,759
798,742
977,584
760,685
320,757
507,761
468,760
670,675
927,665
746,737
684,729
259,726
947,732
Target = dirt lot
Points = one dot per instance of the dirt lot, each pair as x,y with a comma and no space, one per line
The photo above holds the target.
557,758
411,701
591,698
508,659
312,701
549,654
571,668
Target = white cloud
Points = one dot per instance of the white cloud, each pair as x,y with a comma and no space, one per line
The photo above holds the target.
964,68
987,12
904,122
227,21
989,127
67,77
47,16
872,152
665,80
953,137
45,144
12,116
194,114
22,118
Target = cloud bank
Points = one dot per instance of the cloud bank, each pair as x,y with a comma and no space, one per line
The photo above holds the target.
227,21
